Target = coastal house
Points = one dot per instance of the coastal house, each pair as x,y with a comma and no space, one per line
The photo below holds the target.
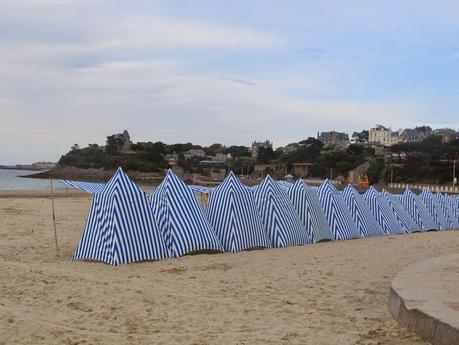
382,135
414,134
333,138
172,159
222,157
257,145
410,135
447,134
194,153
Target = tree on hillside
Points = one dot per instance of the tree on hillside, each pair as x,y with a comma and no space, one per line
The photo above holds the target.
309,150
180,147
113,142
265,155
213,149
376,170
238,151
361,137
242,165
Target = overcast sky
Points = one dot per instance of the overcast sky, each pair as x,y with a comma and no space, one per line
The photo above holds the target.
75,71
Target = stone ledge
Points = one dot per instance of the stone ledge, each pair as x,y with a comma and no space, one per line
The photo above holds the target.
424,298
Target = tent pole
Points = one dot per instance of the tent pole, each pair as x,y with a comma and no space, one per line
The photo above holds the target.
54,215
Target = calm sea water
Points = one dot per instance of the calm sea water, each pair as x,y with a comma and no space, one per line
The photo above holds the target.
10,180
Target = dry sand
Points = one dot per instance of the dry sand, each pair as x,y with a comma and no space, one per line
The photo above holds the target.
328,293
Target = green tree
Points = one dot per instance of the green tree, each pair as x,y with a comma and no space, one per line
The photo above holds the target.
113,142
265,155
213,149
238,151
361,137
376,170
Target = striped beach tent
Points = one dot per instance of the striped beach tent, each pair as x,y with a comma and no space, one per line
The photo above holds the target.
403,217
285,185
279,218
456,204
120,228
418,211
89,187
336,212
307,206
382,212
233,215
200,189
448,207
180,219
455,201
435,210
361,213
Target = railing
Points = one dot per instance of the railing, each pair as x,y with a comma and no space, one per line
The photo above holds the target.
419,186
318,181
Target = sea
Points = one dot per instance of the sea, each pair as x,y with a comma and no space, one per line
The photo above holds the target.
10,180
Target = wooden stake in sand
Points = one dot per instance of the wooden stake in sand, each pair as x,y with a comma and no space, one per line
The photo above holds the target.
54,215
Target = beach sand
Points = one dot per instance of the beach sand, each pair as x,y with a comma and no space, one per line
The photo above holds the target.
328,293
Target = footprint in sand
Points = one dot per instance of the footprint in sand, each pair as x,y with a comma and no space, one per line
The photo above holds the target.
79,306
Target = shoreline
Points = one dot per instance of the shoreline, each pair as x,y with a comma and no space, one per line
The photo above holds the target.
41,193
102,175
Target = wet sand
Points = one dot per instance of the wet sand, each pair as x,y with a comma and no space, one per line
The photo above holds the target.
328,293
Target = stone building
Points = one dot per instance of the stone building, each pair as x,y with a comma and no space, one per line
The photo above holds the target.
194,153
172,159
257,145
123,142
333,138
410,135
301,169
222,157
447,134
382,135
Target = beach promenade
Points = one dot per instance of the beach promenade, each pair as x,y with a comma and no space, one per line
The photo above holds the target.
322,294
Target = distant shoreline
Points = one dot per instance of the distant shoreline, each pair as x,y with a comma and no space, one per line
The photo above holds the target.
102,175
14,167
93,175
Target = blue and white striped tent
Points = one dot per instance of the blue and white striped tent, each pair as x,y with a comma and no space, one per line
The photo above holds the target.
200,189
448,207
418,211
435,210
382,212
180,219
336,212
454,199
120,228
89,187
403,217
361,213
233,215
307,205
285,186
279,218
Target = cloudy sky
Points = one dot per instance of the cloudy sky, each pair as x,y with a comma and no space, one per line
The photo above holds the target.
75,71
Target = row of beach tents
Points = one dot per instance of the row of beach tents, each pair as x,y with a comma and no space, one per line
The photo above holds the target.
126,225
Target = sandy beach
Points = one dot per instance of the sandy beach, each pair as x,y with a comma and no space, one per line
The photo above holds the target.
328,293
